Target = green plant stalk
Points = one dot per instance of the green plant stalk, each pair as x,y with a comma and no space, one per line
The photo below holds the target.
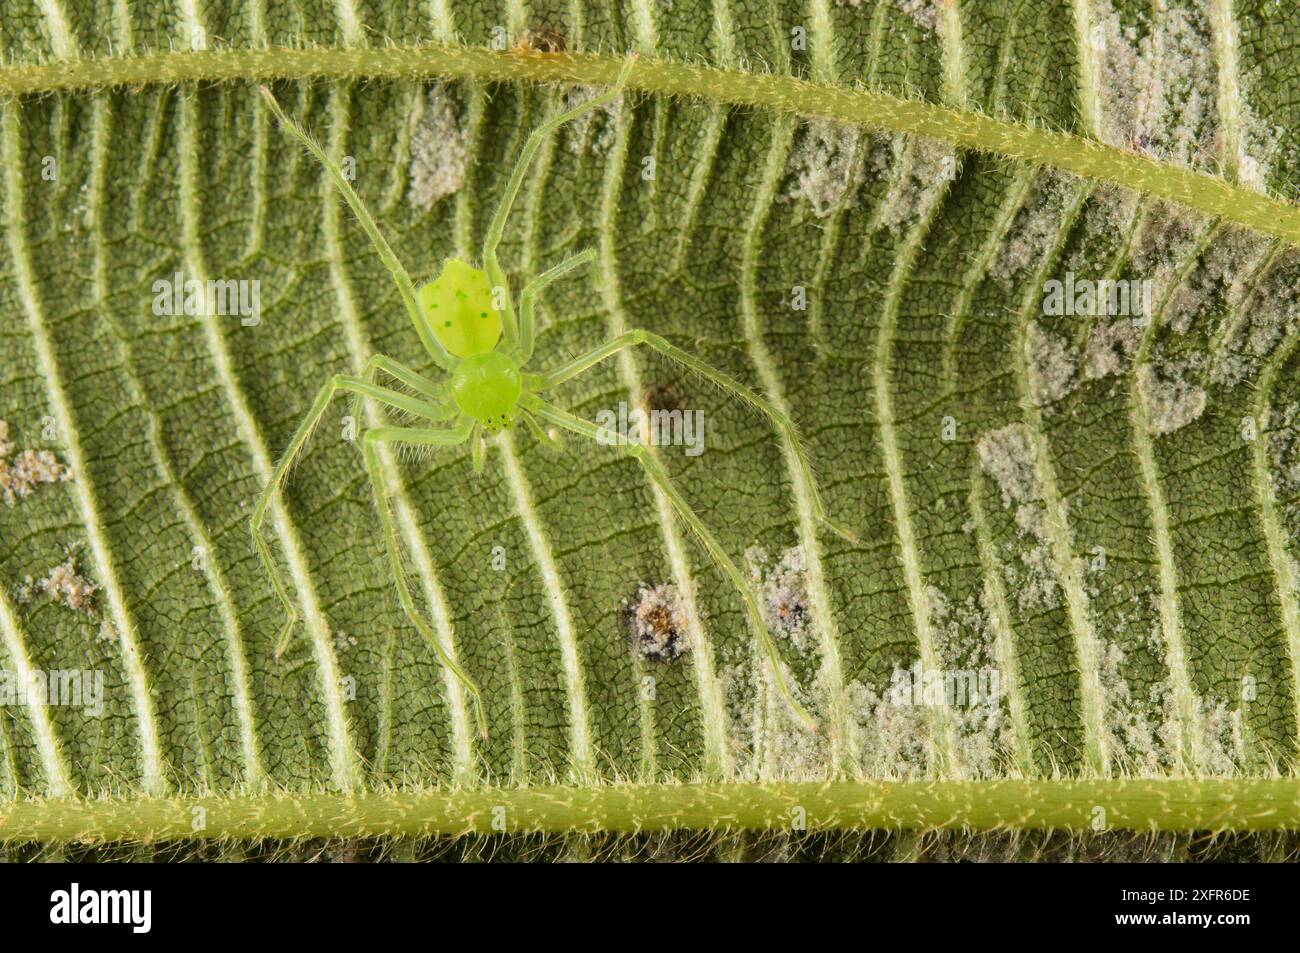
971,130
1213,805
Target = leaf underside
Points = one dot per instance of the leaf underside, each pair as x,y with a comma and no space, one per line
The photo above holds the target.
1100,510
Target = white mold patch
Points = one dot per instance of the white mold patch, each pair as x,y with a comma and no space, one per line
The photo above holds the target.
918,168
924,13
1035,227
1171,401
775,744
966,640
66,585
22,472
1159,94
439,151
827,166
1007,456
782,590
895,738
1258,319
592,133
1110,348
1052,363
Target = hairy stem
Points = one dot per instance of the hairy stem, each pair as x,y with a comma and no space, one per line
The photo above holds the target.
968,129
1263,804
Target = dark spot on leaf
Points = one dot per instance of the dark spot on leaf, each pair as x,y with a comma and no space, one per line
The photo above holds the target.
657,623
542,40
664,397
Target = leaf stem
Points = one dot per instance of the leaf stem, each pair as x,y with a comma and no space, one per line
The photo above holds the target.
966,128
1213,805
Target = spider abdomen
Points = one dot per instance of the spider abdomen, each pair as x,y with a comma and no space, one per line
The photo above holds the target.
461,308
487,388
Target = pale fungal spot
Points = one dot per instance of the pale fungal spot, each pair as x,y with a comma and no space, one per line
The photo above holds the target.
782,748
439,151
1258,320
1035,226
1230,264
782,588
659,623
1146,732
1169,235
1284,450
592,133
65,585
343,641
1159,88
1008,457
1109,213
1110,348
1171,402
1221,729
1036,581
1052,362
896,738
826,166
919,168
1137,743
1160,92
924,13
24,591
22,473
107,631
966,640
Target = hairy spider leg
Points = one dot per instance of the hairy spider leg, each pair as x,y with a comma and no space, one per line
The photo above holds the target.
404,286
338,382
659,475
528,298
398,371
419,437
779,420
498,224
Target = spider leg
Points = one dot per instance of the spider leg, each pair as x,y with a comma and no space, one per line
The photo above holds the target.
405,288
339,382
655,470
528,298
420,437
542,436
412,379
498,224
775,416
478,449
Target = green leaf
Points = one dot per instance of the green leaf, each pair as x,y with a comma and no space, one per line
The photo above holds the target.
865,210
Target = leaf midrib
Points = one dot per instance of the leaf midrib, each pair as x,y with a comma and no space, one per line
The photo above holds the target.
965,128
1137,805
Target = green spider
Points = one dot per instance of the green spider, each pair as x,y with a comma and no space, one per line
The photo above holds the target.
467,324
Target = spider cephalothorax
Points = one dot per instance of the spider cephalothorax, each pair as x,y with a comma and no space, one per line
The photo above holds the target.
467,322
487,387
